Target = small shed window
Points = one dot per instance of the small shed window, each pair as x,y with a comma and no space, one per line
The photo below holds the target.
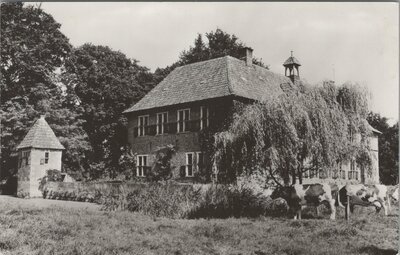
46,157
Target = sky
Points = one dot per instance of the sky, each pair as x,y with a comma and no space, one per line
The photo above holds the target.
344,42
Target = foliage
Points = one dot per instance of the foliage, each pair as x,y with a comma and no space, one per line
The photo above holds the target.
162,168
284,135
34,53
388,148
186,201
127,164
222,201
106,83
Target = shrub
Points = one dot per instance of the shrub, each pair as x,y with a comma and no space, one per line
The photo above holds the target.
223,201
164,200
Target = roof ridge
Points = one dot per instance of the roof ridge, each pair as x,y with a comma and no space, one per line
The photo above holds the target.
204,61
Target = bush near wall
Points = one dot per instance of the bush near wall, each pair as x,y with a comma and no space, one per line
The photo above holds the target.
169,199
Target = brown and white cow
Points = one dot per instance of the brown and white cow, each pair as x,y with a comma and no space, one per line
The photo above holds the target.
299,195
359,194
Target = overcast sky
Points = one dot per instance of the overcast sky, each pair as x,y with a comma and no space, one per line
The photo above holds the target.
356,42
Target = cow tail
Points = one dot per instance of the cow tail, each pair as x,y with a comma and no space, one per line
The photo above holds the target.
338,199
388,199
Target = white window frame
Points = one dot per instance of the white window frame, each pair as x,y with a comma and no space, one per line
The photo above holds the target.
142,128
183,121
26,155
164,120
354,171
204,120
187,164
198,160
140,165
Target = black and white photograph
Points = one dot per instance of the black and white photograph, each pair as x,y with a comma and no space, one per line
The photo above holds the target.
199,128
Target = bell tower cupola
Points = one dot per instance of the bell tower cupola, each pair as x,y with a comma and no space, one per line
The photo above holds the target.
292,65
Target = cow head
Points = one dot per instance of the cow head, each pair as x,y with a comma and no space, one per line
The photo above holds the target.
284,192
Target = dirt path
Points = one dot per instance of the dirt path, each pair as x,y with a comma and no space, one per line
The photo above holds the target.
40,203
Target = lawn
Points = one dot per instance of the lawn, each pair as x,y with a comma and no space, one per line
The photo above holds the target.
68,228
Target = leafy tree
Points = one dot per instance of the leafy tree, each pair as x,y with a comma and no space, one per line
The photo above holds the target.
107,83
284,136
388,148
33,53
162,168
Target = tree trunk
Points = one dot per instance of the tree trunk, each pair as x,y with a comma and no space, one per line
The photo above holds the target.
293,175
300,171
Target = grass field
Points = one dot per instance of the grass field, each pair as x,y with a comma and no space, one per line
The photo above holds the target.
58,227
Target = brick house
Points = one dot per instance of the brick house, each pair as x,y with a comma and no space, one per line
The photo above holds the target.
196,99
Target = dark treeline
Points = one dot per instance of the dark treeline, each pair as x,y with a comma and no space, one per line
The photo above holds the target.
82,91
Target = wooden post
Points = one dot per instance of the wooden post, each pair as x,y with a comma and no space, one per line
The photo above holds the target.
348,208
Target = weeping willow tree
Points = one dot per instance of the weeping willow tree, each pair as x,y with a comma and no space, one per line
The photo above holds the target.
286,135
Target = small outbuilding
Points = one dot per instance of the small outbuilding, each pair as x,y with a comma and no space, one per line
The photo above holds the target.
38,152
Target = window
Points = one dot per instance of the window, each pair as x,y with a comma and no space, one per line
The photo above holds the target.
141,165
306,174
162,119
183,119
353,173
46,157
142,124
24,159
189,164
340,173
204,116
199,160
351,135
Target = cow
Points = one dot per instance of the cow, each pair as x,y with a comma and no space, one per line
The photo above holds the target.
299,195
359,194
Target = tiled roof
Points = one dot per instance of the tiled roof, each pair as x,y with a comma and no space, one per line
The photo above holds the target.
40,136
292,60
211,79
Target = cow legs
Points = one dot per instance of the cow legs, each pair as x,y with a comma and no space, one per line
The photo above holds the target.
384,207
333,209
297,214
317,210
388,202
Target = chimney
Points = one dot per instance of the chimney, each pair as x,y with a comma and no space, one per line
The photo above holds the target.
248,56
